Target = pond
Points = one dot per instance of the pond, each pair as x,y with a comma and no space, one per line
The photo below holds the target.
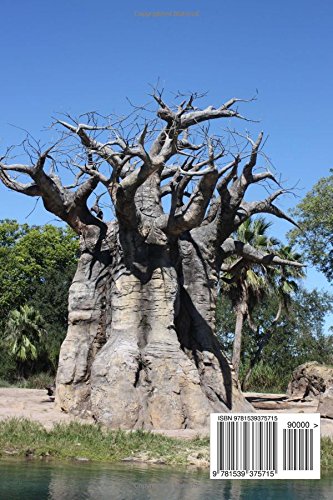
32,480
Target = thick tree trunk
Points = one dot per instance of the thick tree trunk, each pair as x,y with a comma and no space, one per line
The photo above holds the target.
140,350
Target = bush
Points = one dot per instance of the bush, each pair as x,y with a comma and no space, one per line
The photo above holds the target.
7,364
265,378
37,381
5,383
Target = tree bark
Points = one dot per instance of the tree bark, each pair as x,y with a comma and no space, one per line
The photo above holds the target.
140,350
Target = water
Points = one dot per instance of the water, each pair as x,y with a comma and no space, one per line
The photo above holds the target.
32,480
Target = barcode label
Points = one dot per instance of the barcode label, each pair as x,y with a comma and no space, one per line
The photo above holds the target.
266,446
297,449
246,446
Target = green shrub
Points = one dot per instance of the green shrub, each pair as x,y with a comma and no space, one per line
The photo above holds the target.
24,437
37,381
5,383
326,453
265,378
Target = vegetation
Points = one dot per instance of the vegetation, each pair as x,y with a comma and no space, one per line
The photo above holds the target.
37,264
251,282
21,437
315,218
326,454
36,381
298,336
23,336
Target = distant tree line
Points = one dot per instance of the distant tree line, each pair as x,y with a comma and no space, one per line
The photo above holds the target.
37,264
314,215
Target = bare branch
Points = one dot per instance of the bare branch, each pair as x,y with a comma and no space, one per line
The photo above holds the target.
263,176
248,252
133,155
104,151
16,167
28,189
193,213
247,170
194,173
210,113
86,189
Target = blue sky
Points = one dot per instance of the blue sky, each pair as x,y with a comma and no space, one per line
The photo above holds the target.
77,55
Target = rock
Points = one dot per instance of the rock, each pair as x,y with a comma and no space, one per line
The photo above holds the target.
82,459
310,380
325,405
270,405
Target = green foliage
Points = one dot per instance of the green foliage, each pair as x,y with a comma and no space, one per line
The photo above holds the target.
37,265
256,281
266,377
23,333
5,383
314,215
36,381
51,299
8,366
297,337
251,283
254,232
326,453
27,256
67,441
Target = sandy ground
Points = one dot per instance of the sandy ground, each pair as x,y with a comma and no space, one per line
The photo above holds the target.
35,405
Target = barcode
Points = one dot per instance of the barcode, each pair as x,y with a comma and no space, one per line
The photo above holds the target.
252,446
247,445
297,449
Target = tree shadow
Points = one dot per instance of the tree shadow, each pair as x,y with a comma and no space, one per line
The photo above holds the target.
195,334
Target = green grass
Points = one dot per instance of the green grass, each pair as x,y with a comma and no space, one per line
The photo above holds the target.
265,378
21,437
326,458
38,381
5,383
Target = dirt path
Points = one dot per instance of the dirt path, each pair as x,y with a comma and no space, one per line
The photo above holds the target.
35,405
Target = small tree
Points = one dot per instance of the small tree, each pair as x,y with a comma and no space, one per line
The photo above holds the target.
249,281
23,333
284,284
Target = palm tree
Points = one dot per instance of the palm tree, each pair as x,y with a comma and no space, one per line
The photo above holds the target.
23,332
284,282
250,281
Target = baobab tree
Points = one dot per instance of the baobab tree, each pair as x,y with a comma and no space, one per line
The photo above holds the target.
141,350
